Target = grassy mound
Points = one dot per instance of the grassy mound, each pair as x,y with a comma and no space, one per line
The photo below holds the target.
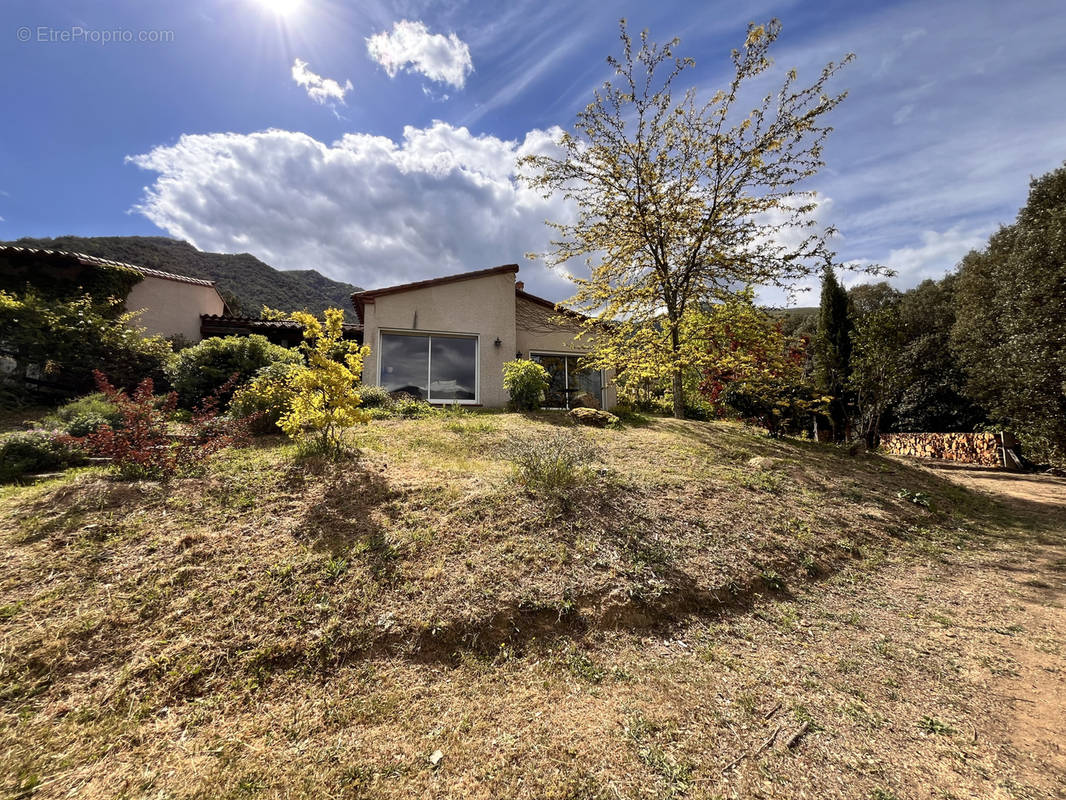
129,606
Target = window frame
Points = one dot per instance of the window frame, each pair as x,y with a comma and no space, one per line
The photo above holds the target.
566,376
428,335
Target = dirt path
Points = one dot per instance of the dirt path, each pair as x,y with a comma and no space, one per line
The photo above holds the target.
1039,494
1034,687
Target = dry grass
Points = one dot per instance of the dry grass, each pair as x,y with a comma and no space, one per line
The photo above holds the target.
305,629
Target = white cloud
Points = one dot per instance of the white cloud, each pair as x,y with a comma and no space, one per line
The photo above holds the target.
364,208
445,59
322,90
902,114
939,252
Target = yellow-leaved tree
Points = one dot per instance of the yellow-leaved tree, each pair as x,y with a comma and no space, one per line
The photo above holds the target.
679,202
324,399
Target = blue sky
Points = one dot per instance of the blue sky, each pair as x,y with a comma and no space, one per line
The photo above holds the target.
375,141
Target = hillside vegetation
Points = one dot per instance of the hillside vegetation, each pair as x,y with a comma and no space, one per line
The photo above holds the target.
414,622
241,276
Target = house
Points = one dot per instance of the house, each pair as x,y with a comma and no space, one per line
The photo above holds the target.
170,305
446,340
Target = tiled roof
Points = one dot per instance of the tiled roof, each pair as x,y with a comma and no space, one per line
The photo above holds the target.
96,261
540,301
254,322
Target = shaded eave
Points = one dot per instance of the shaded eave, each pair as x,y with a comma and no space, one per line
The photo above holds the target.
361,299
214,323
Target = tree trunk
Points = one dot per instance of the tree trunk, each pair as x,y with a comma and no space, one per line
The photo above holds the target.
679,394
678,387
873,431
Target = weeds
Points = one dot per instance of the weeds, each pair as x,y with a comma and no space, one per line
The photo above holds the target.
935,727
552,462
918,498
582,666
675,774
774,582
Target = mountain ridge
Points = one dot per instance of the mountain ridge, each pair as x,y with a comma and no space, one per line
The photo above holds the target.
246,282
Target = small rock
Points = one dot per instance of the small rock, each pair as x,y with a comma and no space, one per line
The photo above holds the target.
593,417
436,757
761,462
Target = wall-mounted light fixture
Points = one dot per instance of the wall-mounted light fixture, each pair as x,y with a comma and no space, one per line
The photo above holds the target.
498,342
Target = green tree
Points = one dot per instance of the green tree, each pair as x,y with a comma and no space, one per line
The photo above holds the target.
934,398
878,364
679,201
832,350
324,398
1010,321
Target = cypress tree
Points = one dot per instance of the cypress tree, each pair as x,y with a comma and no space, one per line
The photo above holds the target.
833,349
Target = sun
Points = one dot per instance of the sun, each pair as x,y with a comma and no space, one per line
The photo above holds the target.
281,8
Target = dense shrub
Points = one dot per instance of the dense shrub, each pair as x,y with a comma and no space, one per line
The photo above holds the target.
554,461
57,343
85,414
203,369
696,410
408,406
264,399
374,397
526,381
143,446
30,452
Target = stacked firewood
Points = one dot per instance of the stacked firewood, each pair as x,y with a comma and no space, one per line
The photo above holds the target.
970,448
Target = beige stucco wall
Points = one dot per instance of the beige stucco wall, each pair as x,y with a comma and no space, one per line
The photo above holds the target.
172,307
543,330
482,306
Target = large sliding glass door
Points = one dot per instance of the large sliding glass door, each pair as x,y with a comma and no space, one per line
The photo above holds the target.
435,367
570,387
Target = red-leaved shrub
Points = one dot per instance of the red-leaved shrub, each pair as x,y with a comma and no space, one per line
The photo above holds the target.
143,446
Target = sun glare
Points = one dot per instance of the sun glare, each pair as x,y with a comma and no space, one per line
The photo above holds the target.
282,8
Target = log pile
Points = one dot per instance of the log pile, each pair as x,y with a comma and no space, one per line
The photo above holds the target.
970,448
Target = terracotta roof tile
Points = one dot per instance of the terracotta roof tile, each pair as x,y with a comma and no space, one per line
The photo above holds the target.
88,260
255,322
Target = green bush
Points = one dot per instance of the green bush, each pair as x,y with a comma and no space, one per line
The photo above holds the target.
701,412
374,397
206,367
552,462
61,342
410,407
265,398
84,415
30,452
526,381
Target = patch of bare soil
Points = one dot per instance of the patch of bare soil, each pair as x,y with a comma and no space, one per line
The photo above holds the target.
1039,494
1034,689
